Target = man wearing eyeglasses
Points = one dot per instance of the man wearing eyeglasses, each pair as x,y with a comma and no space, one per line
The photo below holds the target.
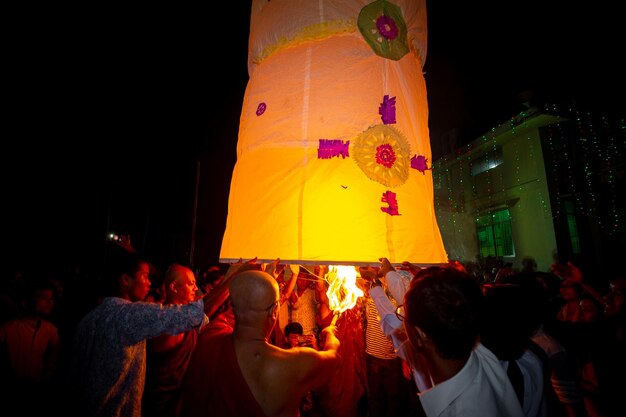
241,373
437,332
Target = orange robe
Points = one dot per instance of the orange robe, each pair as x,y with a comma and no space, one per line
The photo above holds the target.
342,395
214,385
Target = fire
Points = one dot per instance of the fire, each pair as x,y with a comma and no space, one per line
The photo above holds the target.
342,290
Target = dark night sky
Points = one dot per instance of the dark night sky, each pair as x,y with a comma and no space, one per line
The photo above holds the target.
112,110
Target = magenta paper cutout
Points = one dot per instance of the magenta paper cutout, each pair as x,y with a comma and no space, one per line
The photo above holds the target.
330,148
389,197
385,155
387,110
420,163
261,108
387,27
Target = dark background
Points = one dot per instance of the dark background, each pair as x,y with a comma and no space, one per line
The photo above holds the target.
114,111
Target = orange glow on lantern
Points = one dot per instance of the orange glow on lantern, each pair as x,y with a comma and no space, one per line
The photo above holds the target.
333,139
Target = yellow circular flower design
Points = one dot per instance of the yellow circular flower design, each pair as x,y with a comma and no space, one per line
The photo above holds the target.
383,154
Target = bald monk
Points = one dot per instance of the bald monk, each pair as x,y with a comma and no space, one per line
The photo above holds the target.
240,373
168,355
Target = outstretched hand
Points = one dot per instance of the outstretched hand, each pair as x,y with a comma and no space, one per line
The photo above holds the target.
295,270
124,242
413,269
456,265
368,273
385,266
569,271
272,268
328,338
241,266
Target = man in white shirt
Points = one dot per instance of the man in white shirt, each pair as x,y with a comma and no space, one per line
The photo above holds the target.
455,374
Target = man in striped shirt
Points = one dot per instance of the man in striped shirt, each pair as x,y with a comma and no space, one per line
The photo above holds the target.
387,388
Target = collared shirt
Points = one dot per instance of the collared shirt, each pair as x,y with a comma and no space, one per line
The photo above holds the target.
482,387
534,404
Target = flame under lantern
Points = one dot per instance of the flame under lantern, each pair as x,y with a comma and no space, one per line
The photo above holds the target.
342,290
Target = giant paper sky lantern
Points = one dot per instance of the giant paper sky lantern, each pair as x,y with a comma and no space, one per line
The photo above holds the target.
333,156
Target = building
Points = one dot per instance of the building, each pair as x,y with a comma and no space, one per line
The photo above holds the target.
546,185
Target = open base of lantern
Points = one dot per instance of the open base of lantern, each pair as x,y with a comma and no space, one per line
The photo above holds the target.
313,263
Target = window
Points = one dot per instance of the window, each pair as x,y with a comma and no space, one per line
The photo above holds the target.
494,233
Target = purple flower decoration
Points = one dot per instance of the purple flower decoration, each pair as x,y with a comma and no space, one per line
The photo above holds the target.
387,27
387,110
385,155
420,163
261,108
389,197
330,148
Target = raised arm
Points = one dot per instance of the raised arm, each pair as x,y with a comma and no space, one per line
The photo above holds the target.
325,361
295,270
218,295
396,283
573,273
391,325
323,309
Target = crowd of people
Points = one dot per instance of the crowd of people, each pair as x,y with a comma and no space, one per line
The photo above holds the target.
259,339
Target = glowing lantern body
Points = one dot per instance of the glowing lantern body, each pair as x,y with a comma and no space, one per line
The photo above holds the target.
333,149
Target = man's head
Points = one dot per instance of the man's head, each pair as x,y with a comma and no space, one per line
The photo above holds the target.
136,284
443,307
128,276
180,285
570,290
302,282
292,331
211,278
510,325
39,298
255,299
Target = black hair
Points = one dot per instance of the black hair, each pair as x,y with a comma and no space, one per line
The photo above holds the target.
508,327
120,262
293,328
447,305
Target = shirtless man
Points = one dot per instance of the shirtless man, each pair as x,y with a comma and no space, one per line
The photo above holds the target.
241,373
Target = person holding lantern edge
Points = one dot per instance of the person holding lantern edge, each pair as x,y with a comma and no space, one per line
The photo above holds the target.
437,332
